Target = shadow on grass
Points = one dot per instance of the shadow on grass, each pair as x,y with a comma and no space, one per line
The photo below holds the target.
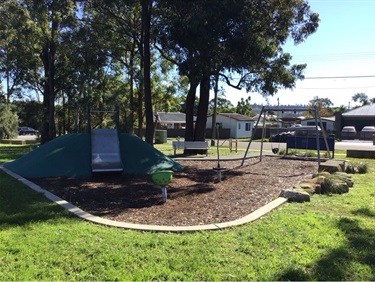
19,205
364,212
345,262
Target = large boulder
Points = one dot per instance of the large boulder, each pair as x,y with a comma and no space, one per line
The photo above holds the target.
334,185
297,195
332,166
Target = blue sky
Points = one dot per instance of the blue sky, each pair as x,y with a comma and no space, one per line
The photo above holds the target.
343,46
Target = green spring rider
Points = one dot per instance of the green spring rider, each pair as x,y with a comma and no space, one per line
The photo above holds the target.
162,178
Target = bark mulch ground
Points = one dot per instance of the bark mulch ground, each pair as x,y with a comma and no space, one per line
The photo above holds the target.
195,197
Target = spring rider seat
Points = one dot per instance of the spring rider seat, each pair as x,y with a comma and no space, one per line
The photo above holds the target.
162,178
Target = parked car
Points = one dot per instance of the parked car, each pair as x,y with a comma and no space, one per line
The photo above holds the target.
281,137
27,130
367,132
307,130
348,132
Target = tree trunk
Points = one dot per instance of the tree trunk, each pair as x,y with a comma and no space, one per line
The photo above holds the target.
49,128
146,19
204,98
130,123
140,110
48,56
190,102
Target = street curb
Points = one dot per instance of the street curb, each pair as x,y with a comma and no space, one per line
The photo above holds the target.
143,227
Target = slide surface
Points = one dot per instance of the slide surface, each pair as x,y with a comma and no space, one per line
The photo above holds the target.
105,150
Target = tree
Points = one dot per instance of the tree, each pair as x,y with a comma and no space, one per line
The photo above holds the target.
362,98
324,106
14,61
243,107
30,113
205,38
340,109
8,121
43,22
223,106
121,25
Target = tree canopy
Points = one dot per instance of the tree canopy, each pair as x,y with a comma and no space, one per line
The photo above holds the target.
143,56
205,38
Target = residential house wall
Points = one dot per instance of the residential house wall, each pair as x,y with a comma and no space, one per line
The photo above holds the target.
240,126
328,124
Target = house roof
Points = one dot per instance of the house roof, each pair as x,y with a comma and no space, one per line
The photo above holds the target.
322,118
236,116
365,111
172,117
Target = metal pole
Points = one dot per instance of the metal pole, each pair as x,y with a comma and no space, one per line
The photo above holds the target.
252,136
217,148
317,134
324,136
263,130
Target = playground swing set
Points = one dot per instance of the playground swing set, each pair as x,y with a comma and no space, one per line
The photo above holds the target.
314,138
274,150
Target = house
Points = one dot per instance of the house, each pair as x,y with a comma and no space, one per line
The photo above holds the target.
240,126
170,120
328,123
358,117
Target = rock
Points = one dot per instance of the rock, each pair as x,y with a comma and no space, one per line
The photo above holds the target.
299,196
334,185
344,177
350,169
332,166
311,186
324,174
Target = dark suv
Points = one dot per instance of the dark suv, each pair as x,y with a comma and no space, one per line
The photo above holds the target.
27,130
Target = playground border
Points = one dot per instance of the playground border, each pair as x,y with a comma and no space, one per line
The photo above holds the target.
143,227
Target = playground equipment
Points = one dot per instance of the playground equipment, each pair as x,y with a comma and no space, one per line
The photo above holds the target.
218,168
105,150
105,146
317,144
162,178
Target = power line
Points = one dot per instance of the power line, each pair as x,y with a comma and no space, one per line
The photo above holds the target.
333,88
334,77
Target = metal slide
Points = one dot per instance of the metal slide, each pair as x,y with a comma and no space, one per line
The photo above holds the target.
105,150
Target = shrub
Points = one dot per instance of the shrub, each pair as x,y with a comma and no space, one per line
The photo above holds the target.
8,122
311,154
350,169
362,168
334,185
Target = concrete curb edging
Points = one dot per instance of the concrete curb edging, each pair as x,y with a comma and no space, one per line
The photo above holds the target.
143,227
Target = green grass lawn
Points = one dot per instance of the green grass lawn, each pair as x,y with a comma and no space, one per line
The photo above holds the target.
10,152
167,149
329,238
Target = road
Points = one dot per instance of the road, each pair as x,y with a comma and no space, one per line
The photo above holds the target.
343,145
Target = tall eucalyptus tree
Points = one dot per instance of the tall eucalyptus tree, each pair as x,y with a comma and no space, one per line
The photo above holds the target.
206,38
